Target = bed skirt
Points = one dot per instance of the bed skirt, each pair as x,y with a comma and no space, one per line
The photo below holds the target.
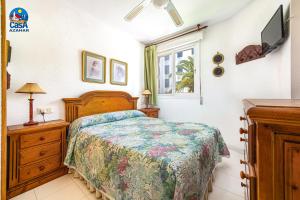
101,195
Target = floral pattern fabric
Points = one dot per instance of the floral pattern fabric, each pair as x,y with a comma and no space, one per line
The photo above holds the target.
131,156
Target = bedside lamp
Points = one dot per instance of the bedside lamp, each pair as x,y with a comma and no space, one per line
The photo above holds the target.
147,93
31,88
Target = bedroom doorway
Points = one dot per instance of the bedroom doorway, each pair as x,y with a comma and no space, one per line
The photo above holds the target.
3,100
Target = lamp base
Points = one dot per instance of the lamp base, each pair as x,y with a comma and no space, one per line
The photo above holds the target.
30,123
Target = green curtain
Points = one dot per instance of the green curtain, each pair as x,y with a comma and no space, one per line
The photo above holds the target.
150,72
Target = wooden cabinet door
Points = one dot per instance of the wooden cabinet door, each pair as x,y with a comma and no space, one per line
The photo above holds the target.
292,170
287,166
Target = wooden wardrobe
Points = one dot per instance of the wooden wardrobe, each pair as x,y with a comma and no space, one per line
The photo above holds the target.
272,149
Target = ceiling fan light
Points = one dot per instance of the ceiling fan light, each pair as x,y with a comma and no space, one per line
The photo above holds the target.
166,4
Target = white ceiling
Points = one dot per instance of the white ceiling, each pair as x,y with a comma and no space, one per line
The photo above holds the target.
154,23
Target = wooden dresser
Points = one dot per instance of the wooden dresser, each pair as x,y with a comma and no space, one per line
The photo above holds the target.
35,155
272,149
150,112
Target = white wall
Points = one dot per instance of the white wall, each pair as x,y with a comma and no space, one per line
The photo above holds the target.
265,78
295,35
50,54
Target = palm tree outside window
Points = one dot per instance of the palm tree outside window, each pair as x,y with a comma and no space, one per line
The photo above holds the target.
177,71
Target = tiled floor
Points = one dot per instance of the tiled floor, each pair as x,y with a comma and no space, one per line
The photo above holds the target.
227,185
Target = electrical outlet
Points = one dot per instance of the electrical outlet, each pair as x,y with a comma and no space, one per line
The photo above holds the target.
40,110
48,110
44,110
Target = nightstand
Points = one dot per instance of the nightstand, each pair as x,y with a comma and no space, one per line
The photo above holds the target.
150,112
35,155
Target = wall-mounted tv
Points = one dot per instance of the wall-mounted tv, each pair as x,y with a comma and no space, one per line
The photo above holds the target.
273,34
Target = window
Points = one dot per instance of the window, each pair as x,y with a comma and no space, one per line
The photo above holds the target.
177,71
184,70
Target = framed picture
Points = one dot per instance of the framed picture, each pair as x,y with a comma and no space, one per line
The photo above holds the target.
8,49
118,72
93,67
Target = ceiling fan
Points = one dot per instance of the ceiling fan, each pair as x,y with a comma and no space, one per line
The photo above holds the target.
166,4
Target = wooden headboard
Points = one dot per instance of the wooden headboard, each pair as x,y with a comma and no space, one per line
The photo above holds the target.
96,102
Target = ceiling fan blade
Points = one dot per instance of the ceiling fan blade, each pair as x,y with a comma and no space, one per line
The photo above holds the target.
135,11
170,8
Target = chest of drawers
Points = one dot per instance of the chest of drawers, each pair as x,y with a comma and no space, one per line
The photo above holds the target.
271,135
150,112
35,155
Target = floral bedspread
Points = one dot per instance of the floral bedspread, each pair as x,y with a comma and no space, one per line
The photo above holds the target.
131,156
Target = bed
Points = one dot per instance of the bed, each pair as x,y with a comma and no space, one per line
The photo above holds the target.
122,154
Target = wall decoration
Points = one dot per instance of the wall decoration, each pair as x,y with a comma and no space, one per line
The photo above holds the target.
118,72
8,50
93,67
249,53
8,77
218,59
218,71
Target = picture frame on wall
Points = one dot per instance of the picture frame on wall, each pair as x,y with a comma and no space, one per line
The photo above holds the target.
8,49
93,67
118,72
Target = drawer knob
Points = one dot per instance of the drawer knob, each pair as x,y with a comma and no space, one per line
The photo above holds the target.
243,162
243,118
243,131
243,175
42,168
243,184
42,153
243,140
42,138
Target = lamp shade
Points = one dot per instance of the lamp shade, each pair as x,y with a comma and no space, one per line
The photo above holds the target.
147,92
31,88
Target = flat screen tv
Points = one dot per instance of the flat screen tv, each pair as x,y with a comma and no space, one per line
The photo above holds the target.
273,34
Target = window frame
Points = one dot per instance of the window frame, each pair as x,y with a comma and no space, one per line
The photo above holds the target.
197,73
